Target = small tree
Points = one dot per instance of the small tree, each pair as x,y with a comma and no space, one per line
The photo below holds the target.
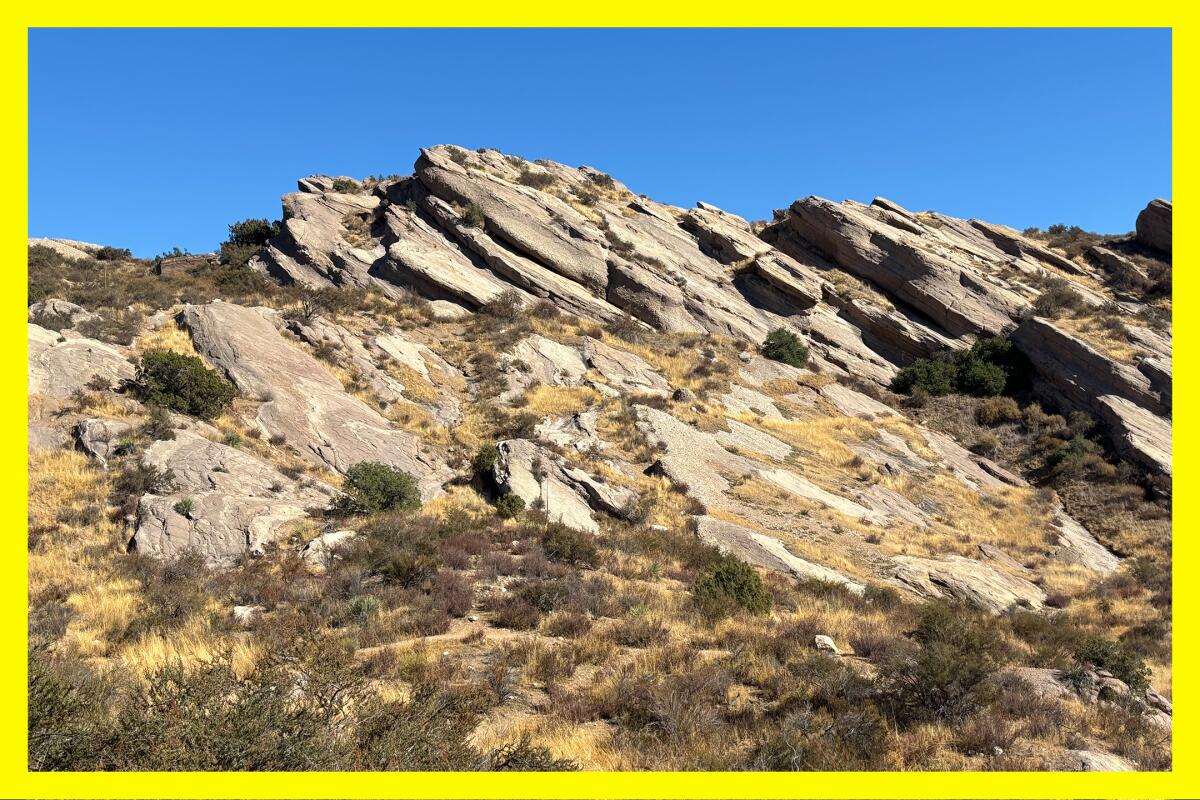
783,345
182,383
485,459
371,487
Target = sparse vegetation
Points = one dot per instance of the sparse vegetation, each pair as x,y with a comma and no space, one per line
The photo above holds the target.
783,345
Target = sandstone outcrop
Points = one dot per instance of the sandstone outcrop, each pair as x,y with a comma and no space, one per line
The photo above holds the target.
301,401
1154,225
59,367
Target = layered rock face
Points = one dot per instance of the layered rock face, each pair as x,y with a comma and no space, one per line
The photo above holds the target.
790,469
1154,225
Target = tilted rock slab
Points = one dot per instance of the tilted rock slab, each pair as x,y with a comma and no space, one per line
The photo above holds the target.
975,582
1154,225
59,367
302,402
239,503
566,494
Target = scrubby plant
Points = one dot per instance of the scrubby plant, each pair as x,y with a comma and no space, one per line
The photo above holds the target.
506,306
347,186
783,345
184,507
510,505
994,411
535,178
363,608
485,460
371,487
182,383
990,367
567,545
472,216
726,586
1116,658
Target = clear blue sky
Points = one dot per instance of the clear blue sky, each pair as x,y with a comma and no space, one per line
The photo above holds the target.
157,138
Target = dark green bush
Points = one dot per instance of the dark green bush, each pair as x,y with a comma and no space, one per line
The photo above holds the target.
783,345
371,487
510,505
485,459
990,367
347,186
182,383
253,232
1117,659
113,254
726,586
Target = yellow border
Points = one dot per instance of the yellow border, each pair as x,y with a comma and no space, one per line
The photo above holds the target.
15,781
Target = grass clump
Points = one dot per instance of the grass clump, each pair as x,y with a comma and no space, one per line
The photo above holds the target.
783,345
182,383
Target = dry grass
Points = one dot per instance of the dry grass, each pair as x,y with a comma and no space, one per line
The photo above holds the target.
548,400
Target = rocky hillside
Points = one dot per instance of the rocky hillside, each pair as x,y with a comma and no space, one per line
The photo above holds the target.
606,407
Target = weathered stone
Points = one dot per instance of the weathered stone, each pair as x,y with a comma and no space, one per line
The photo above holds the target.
966,579
1154,225
100,438
51,309
318,554
566,494
1137,433
623,370
824,644
67,248
302,402
59,367
225,503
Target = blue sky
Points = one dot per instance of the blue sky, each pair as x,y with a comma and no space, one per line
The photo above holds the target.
151,139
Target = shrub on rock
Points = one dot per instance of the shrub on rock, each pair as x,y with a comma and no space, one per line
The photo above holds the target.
182,383
783,345
371,487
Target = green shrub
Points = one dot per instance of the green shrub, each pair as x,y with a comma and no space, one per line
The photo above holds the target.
184,507
1117,659
933,376
253,232
990,367
485,459
363,607
371,487
182,383
783,345
510,505
113,254
347,186
726,586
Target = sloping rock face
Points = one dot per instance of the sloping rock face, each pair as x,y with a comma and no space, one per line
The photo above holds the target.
59,367
1154,225
225,504
67,248
763,551
302,402
1133,401
966,579
566,494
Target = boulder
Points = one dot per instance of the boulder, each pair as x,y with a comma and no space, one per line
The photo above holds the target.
1096,761
566,494
965,579
101,438
319,553
301,400
824,644
225,502
53,309
1154,225
59,367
